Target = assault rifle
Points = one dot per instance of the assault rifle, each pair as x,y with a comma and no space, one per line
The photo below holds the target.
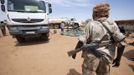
92,47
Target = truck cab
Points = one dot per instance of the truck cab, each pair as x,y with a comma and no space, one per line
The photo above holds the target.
27,18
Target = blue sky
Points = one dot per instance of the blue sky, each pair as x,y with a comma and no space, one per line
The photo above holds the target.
82,9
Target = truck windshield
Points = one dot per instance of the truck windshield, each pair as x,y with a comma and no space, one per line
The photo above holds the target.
31,6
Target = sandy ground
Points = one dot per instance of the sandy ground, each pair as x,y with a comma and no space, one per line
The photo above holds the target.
49,58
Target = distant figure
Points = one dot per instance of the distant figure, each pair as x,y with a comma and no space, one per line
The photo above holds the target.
62,26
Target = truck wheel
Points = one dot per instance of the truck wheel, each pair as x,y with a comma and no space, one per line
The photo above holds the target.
20,39
45,36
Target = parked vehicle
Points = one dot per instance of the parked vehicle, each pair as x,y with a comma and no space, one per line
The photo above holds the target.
26,18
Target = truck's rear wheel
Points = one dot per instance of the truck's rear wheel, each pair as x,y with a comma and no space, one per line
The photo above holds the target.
20,39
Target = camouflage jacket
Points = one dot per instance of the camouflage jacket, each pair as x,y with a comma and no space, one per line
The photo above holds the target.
95,31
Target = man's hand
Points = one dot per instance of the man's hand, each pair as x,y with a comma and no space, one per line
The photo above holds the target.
120,50
72,53
116,63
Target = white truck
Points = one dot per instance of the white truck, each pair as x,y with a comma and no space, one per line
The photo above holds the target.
26,18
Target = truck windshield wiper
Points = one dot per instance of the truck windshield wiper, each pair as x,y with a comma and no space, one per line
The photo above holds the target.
26,11
32,11
29,11
19,10
35,11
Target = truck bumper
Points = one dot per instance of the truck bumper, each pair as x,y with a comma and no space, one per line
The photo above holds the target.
29,32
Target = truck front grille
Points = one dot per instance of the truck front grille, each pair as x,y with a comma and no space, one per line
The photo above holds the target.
26,21
28,27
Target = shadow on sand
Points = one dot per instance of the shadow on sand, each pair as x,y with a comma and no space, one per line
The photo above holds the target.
73,72
131,66
31,42
129,55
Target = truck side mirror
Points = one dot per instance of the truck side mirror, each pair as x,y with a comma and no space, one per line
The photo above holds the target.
2,5
3,8
49,5
50,8
2,1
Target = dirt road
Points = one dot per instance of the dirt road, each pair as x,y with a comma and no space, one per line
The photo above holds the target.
48,58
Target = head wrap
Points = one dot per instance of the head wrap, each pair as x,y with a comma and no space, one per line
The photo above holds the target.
101,10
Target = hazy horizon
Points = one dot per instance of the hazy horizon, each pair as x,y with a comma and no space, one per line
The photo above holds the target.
82,9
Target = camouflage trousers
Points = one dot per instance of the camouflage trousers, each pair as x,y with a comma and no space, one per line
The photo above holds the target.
94,66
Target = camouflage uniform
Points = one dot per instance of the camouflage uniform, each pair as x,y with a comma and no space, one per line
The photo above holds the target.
94,31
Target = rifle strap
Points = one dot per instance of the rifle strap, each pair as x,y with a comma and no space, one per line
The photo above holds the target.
108,30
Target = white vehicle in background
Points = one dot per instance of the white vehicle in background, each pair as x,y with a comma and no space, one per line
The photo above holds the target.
58,21
26,18
68,21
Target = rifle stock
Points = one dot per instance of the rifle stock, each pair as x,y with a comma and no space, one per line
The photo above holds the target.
72,52
92,47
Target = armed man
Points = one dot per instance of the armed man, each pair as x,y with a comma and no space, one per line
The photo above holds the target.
99,42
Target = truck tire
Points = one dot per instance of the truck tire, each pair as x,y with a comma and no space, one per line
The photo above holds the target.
45,36
20,39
